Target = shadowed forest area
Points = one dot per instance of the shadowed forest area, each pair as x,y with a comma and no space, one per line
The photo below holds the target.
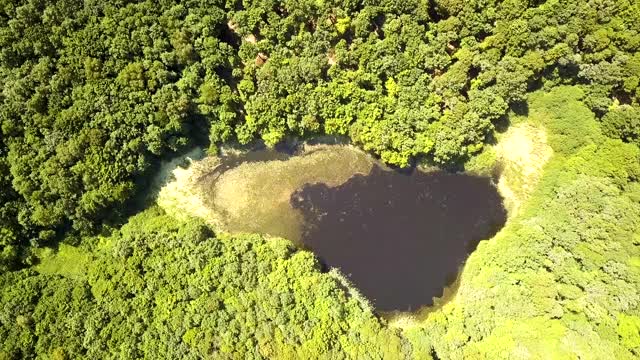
97,96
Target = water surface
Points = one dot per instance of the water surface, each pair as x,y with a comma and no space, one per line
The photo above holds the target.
400,238
250,192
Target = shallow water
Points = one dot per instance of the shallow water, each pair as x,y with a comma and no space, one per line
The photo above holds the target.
250,192
400,238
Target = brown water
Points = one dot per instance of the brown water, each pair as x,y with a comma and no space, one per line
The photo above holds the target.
250,192
399,237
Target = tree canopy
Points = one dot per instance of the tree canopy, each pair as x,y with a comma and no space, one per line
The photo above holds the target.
87,110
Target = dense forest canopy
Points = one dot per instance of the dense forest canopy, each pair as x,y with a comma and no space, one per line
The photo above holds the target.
94,94
88,108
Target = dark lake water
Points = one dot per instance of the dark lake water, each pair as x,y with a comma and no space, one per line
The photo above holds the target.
399,237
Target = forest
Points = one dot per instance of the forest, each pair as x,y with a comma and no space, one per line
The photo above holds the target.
96,95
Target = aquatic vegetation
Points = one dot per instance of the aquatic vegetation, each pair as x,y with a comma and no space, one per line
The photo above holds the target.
255,196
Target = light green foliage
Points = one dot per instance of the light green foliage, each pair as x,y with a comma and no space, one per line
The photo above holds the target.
67,261
539,338
483,164
42,314
569,123
629,330
623,122
173,290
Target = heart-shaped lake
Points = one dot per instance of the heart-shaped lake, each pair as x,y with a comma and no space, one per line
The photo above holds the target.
399,238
